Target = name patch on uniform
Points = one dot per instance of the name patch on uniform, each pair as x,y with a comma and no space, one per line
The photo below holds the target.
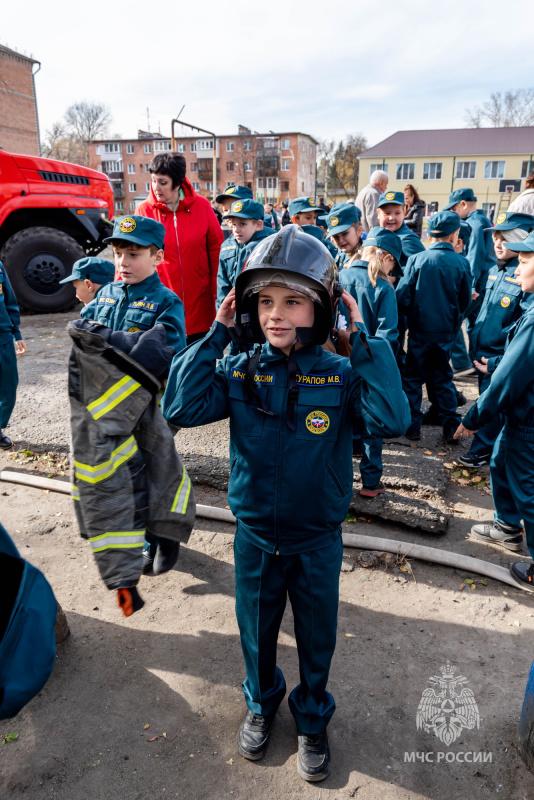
1,288
146,305
492,277
260,377
511,279
334,379
505,302
317,422
230,247
107,301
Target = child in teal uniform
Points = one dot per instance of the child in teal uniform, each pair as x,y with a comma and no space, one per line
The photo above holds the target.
246,220
11,345
345,228
88,276
291,406
511,394
501,308
304,212
369,281
137,302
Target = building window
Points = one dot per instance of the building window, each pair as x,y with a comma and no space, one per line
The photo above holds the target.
180,148
465,170
311,149
131,169
147,167
248,166
130,149
526,168
382,167
132,187
119,205
432,170
147,149
285,186
285,165
267,183
311,169
194,166
209,186
97,150
229,147
147,187
160,146
193,147
285,144
494,169
270,144
112,148
229,166
229,183
112,166
303,150
196,186
205,144
132,205
405,172
247,146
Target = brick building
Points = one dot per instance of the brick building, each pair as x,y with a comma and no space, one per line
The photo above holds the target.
19,123
276,166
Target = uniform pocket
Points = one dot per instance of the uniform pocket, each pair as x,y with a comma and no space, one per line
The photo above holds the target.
137,319
318,413
244,415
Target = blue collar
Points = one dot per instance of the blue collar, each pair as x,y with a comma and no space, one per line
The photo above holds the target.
441,246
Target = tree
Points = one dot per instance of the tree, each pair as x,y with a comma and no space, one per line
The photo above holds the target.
68,140
339,164
511,109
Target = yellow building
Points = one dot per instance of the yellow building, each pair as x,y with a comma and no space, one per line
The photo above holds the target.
492,161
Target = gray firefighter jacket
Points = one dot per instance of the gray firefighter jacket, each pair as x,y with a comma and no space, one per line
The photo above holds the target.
127,477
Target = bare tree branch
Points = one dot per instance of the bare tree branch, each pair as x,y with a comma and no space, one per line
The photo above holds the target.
511,109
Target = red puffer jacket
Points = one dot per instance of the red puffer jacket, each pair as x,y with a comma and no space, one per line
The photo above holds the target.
192,243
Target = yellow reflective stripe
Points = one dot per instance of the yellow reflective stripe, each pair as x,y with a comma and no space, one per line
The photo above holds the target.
90,474
117,540
74,492
182,495
118,392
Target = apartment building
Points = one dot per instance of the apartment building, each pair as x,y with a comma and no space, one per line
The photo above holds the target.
276,166
19,122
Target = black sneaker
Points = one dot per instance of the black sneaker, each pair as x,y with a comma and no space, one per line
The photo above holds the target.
461,399
413,433
523,572
5,441
474,460
507,536
449,429
148,559
431,416
166,556
253,735
313,760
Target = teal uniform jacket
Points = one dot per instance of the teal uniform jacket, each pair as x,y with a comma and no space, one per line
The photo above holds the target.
377,304
317,232
411,244
480,250
341,259
232,260
138,307
9,311
290,490
500,310
434,292
511,391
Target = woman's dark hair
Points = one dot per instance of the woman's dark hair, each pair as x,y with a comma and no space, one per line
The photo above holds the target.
529,183
411,188
171,164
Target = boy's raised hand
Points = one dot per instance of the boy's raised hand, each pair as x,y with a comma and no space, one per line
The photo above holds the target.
352,307
226,312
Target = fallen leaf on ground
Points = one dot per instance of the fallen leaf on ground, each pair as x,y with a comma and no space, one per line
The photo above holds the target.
147,726
461,587
349,635
230,761
457,474
428,452
9,737
468,580
463,481
153,739
483,582
448,466
465,473
442,454
473,586
478,478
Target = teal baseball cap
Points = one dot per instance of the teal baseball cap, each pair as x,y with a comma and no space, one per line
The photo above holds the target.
396,198
246,209
443,224
341,217
526,246
301,204
236,193
138,230
508,220
459,195
385,240
97,270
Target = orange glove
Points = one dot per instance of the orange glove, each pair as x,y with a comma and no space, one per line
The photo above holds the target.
129,600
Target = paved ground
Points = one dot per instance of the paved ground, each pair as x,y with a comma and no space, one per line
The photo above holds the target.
176,665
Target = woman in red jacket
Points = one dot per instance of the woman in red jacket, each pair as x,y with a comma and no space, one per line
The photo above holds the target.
192,241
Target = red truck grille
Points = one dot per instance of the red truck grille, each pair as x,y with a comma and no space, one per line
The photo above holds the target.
60,177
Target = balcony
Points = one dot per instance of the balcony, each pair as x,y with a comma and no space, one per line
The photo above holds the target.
115,176
267,165
205,169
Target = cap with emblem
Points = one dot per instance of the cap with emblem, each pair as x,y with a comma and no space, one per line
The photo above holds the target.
385,240
97,270
526,246
300,204
396,198
458,195
138,230
246,209
443,224
508,220
236,192
341,216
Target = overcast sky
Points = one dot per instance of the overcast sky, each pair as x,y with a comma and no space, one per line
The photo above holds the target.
328,69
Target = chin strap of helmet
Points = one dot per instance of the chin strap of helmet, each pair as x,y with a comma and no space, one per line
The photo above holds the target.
305,336
251,386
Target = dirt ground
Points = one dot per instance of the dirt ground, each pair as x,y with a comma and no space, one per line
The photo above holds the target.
176,665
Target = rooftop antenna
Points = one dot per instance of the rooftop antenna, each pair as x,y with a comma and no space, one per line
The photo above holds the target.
178,114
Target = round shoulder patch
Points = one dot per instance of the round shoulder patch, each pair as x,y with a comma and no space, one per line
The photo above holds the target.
311,201
127,225
317,422
237,206
505,302
334,221
501,218
230,190
390,196
133,329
